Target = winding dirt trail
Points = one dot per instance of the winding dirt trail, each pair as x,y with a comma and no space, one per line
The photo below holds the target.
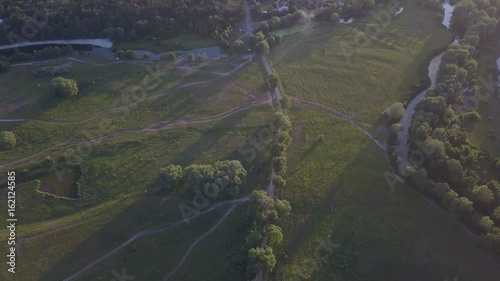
134,103
157,127
149,231
191,247
335,112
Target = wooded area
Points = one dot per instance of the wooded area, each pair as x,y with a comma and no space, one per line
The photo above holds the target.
115,19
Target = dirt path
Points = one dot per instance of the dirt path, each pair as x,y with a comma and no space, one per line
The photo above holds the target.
132,104
149,231
157,127
333,111
191,247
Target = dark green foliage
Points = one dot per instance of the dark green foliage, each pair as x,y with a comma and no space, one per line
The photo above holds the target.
273,81
260,259
128,54
53,71
450,159
64,87
170,177
278,182
274,235
122,19
169,57
7,140
191,57
216,181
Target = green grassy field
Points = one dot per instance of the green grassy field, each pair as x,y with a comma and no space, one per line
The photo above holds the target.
339,194
480,135
333,66
59,236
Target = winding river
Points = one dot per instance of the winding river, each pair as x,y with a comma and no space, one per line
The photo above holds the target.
404,134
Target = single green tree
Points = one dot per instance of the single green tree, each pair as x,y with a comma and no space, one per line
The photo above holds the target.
273,81
274,235
64,87
261,259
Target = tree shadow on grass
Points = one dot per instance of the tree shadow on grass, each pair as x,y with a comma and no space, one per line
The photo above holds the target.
161,251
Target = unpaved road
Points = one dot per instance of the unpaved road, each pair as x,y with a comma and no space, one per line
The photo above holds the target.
191,247
149,231
157,127
136,102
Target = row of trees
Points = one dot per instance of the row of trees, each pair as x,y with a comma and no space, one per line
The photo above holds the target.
261,42
220,180
119,19
451,172
264,213
50,52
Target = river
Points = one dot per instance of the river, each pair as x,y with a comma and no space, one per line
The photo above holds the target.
99,42
404,135
102,47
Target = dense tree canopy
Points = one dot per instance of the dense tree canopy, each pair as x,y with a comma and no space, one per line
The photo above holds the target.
119,19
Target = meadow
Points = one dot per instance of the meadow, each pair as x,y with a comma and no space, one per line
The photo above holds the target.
486,133
340,195
120,172
350,66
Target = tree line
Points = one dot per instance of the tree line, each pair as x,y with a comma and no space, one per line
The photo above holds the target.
117,19
450,170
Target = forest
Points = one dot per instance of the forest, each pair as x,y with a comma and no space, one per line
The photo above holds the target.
115,19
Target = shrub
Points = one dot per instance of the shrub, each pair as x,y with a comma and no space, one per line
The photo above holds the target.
7,140
170,177
273,81
320,139
201,57
278,181
64,87
472,116
395,111
4,66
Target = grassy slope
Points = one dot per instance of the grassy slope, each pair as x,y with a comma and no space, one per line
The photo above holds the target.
128,166
122,168
312,64
338,193
192,102
489,107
